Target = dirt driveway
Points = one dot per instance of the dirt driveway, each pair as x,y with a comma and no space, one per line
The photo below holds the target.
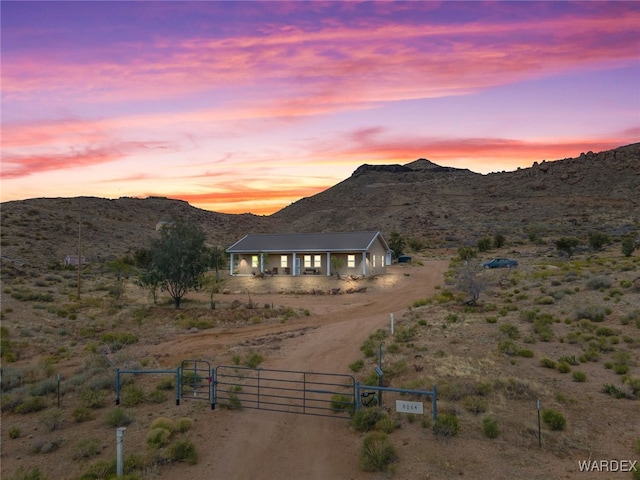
255,444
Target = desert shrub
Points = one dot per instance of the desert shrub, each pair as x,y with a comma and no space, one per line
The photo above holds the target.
595,313
490,427
597,240
184,424
484,244
158,437
163,422
620,369
102,469
132,396
118,417
369,348
14,432
598,282
52,419
579,376
570,359
507,347
516,389
475,404
254,360
547,363
93,398
510,331
554,419
563,367
44,387
525,353
613,391
82,414
365,419
183,451
545,300
386,425
33,404
86,448
168,383
499,240
566,245
157,396
32,473
117,341
342,403
446,425
377,452
357,365
628,245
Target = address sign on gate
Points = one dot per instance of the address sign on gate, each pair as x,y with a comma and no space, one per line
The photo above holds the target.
403,406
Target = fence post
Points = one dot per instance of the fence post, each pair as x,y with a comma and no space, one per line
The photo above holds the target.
211,389
435,403
117,386
119,441
357,395
178,386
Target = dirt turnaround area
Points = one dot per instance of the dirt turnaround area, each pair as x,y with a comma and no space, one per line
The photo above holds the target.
256,444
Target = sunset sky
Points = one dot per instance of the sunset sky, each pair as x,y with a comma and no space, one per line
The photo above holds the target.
249,106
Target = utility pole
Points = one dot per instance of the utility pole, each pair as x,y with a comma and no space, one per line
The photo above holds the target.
79,255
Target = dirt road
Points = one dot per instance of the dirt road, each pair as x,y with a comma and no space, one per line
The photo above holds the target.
256,444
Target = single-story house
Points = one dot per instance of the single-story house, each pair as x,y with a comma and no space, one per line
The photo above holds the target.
343,253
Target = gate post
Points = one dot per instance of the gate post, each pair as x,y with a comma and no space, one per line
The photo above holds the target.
357,395
435,403
211,387
178,375
117,386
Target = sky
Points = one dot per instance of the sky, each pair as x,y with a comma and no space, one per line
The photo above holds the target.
248,106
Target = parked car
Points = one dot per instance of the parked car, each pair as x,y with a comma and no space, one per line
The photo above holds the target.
500,263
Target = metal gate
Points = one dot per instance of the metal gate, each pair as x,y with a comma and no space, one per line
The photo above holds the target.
309,393
195,380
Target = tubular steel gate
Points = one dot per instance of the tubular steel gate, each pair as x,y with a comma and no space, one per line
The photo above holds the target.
322,394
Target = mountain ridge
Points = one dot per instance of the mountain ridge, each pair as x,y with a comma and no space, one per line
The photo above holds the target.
444,206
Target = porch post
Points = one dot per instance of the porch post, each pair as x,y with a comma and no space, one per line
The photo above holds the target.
231,265
364,264
328,264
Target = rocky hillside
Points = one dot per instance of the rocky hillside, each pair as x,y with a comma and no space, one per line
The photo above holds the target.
595,191
442,205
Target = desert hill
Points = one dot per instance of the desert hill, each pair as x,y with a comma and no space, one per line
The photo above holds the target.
444,206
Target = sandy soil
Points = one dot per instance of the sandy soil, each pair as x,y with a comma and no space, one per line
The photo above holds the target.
255,444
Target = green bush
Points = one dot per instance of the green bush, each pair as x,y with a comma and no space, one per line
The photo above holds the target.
595,313
490,427
579,376
118,417
183,451
386,425
33,404
254,360
51,418
446,425
547,363
357,365
377,452
158,437
342,403
185,424
14,432
598,282
164,422
553,419
102,469
475,404
157,396
33,473
86,448
132,396
563,367
365,419
92,398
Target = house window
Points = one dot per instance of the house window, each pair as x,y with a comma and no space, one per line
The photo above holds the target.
382,260
317,261
351,261
374,261
284,261
254,261
307,261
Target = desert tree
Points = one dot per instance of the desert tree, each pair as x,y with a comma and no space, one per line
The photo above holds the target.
567,244
178,258
484,244
597,240
628,246
216,259
498,240
470,283
467,253
396,244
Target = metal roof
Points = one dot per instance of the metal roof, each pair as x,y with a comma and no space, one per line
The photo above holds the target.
307,242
